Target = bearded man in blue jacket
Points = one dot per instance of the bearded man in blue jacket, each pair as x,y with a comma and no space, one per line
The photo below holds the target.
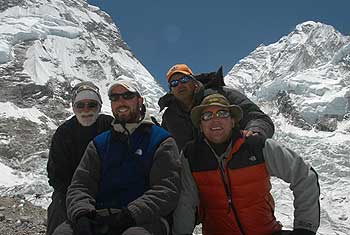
129,177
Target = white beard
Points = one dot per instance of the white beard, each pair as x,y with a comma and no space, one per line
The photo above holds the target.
87,118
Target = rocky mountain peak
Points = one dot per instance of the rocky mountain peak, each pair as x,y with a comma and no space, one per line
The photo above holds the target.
46,47
310,66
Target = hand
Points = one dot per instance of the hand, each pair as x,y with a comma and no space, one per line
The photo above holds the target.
118,221
247,133
83,226
300,231
254,139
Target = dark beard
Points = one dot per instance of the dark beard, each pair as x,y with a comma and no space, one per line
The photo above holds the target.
133,116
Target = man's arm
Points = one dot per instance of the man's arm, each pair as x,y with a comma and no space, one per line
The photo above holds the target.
253,119
84,187
288,166
163,195
184,214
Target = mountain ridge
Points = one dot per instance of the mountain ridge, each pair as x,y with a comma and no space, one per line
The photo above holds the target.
46,47
300,65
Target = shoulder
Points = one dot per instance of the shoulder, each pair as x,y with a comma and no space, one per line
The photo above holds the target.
103,122
191,147
101,140
166,101
105,118
158,130
67,127
102,136
232,93
273,145
157,134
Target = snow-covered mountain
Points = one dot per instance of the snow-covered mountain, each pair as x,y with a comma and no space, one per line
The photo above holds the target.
309,69
46,47
303,82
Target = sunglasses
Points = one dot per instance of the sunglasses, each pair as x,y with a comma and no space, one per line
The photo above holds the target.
206,116
183,80
126,96
89,105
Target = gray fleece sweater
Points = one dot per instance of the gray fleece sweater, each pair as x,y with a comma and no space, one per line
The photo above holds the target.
158,201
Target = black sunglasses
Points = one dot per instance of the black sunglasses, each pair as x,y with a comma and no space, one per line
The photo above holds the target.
90,105
183,80
126,96
206,116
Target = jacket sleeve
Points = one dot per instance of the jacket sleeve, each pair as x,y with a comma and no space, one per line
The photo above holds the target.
163,195
253,118
82,192
184,214
290,167
59,162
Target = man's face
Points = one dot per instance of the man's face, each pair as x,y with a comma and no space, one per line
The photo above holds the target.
127,108
86,111
183,91
218,129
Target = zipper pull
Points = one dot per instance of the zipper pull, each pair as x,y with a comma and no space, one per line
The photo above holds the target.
229,205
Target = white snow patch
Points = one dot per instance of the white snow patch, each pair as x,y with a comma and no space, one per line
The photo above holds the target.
8,178
8,109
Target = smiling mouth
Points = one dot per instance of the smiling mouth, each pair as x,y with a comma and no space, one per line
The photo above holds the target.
122,109
216,128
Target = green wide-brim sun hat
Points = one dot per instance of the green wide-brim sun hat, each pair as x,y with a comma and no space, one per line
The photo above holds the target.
215,100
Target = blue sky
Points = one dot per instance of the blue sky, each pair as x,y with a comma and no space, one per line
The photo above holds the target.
206,34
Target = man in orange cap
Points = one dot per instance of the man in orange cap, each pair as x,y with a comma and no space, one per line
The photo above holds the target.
186,92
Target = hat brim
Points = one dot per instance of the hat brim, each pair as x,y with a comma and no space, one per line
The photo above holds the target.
235,110
179,71
87,95
127,86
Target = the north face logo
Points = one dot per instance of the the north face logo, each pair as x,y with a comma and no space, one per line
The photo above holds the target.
252,158
139,152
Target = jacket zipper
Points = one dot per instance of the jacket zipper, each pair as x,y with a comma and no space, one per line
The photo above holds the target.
226,181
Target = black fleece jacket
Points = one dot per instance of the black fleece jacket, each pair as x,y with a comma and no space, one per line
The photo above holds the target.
67,148
178,122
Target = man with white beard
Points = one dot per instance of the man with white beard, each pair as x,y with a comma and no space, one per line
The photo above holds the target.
68,146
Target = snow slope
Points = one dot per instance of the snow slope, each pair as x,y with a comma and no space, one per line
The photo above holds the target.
300,80
46,47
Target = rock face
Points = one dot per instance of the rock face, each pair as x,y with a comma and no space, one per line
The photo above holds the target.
18,217
46,47
310,65
327,124
287,108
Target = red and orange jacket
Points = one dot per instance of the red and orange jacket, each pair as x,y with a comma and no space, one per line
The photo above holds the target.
233,193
